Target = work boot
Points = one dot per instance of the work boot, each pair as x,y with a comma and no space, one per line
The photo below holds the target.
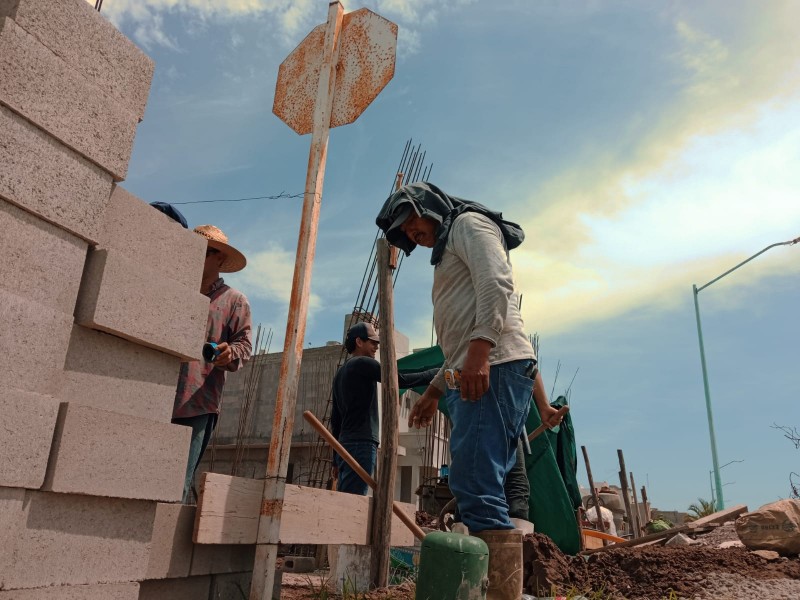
505,563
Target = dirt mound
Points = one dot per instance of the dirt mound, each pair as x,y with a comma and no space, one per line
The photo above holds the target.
646,573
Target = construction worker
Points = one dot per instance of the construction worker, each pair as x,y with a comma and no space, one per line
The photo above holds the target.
200,383
354,418
488,374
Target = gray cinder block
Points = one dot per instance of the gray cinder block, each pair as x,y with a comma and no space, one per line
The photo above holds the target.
171,546
190,588
148,237
44,335
48,179
41,87
88,43
45,262
124,298
212,559
64,539
112,591
231,586
101,453
29,421
111,373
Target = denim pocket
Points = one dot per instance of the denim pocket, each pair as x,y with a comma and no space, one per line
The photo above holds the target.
513,392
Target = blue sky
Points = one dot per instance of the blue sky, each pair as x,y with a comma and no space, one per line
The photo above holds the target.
644,147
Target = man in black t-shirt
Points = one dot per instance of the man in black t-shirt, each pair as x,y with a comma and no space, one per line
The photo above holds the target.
354,418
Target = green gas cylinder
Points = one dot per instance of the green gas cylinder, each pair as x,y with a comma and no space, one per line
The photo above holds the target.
452,566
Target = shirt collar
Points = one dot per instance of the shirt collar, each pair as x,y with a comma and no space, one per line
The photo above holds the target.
215,286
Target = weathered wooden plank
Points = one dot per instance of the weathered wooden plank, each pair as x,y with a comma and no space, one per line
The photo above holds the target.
228,510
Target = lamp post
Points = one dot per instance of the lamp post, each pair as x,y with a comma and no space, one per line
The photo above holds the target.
696,290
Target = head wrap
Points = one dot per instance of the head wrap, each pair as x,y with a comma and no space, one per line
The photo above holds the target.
431,202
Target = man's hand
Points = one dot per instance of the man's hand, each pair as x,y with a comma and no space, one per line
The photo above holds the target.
225,355
424,408
550,416
334,471
475,372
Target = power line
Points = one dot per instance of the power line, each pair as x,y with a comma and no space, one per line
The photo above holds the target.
278,197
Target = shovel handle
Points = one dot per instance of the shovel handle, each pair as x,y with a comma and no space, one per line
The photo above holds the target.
544,427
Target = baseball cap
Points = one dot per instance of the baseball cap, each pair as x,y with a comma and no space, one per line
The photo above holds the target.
364,331
402,213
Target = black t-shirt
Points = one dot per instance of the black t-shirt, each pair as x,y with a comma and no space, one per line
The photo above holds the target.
354,417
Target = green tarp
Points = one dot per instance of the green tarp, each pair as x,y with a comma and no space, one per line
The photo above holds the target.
551,465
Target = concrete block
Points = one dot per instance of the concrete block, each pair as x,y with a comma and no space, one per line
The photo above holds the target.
43,176
41,87
39,332
29,421
88,43
124,298
192,588
212,559
231,586
113,374
101,453
149,237
349,567
62,539
298,564
171,546
114,591
45,263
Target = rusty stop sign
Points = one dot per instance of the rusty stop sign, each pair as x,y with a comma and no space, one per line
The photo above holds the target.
365,65
327,81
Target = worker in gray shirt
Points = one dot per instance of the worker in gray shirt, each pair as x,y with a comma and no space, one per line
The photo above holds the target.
489,371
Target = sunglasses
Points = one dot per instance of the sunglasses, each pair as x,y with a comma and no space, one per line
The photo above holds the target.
211,251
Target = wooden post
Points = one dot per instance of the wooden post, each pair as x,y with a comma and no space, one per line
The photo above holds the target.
269,523
387,458
647,515
637,513
626,495
600,525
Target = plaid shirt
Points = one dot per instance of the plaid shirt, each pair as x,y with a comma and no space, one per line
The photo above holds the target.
200,383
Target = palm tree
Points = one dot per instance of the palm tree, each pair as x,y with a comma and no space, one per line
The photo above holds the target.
702,509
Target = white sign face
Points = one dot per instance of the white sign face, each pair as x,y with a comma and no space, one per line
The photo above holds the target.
367,48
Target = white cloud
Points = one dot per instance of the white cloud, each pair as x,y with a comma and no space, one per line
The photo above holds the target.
294,17
725,197
269,276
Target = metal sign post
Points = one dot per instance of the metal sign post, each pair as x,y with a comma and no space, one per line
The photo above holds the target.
327,81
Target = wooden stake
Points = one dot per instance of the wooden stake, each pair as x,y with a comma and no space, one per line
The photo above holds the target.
637,513
269,523
600,525
387,459
647,515
626,495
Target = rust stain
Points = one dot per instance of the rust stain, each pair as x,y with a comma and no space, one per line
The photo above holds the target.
271,507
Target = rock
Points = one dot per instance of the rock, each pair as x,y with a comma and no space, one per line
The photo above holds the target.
731,544
681,540
767,554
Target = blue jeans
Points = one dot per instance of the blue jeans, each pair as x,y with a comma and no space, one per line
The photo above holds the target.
202,428
483,444
366,455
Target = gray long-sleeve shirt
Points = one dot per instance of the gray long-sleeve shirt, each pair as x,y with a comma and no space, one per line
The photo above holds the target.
474,296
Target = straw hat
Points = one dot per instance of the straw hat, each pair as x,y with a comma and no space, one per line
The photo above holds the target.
234,260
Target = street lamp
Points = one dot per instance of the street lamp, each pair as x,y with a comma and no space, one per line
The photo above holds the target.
696,290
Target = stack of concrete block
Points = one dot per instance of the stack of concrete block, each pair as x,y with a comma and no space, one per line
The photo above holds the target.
99,305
